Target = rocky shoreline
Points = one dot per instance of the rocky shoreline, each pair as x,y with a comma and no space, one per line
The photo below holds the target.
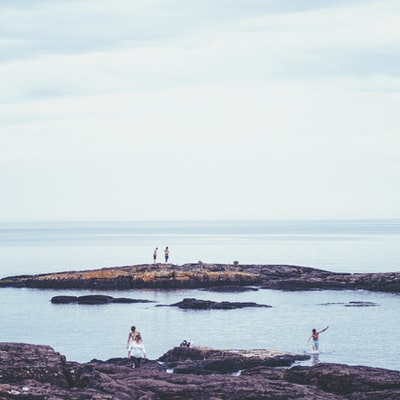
210,276
37,372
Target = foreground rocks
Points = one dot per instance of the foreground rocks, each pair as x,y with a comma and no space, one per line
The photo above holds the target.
39,373
211,276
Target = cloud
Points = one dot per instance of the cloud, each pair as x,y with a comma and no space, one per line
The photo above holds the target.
73,27
203,109
52,50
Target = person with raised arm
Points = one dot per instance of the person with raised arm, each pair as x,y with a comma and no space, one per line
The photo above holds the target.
314,337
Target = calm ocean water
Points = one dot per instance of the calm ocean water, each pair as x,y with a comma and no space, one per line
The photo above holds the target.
357,335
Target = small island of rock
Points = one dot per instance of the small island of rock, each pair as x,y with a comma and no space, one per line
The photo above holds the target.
169,276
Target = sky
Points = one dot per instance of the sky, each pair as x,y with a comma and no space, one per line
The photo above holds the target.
199,109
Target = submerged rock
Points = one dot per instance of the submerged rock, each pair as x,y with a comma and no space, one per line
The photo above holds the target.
360,304
352,304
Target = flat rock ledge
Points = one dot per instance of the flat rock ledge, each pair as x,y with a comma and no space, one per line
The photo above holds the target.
211,276
37,372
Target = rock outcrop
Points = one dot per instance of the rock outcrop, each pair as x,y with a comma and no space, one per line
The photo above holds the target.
205,360
39,373
94,299
168,276
196,304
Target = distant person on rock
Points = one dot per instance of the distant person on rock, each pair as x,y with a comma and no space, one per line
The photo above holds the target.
132,336
137,351
314,337
166,254
155,255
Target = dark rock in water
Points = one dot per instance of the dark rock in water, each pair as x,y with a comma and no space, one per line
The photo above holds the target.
39,373
352,304
94,299
128,300
64,299
231,289
361,304
196,304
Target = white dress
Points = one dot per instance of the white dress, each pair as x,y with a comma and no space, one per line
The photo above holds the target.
137,349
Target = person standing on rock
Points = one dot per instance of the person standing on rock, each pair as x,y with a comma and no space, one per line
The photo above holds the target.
137,351
132,336
166,254
155,255
314,337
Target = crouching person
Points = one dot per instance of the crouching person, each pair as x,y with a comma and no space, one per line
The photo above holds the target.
137,351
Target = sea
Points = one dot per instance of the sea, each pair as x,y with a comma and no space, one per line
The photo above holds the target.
357,335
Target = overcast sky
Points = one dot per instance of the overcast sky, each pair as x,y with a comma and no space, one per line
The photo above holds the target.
199,109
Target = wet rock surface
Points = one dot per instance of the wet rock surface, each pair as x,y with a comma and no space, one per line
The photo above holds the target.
169,276
39,373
